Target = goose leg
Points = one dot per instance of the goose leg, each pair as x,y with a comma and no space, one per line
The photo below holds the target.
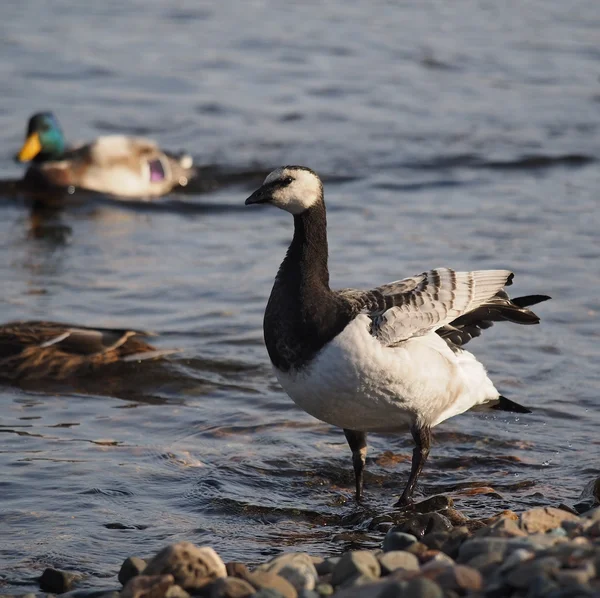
358,446
422,438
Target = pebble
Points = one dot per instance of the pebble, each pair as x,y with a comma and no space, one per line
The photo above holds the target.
297,567
395,540
543,519
57,581
147,586
131,567
192,567
231,587
267,579
422,588
267,593
327,565
521,575
355,563
398,559
425,523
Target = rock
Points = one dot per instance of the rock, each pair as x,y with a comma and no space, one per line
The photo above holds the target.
461,578
57,581
455,517
426,523
435,540
431,504
479,546
267,579
418,549
593,514
235,569
590,496
267,593
398,559
580,575
395,540
371,590
324,589
541,586
435,557
503,528
521,575
131,567
543,519
176,591
192,567
231,587
308,594
327,565
516,558
296,567
422,587
147,586
452,545
482,561
355,563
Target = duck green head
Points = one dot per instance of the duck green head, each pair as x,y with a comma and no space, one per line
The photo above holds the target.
44,140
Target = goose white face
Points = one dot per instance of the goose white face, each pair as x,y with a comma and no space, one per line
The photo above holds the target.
291,188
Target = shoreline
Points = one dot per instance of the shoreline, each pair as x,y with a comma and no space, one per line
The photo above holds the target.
430,550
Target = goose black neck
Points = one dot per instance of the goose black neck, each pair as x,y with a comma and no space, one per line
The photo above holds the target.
306,262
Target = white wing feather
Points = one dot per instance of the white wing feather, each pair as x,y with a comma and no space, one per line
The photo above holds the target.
433,299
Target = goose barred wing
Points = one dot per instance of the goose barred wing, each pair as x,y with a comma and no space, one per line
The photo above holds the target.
420,304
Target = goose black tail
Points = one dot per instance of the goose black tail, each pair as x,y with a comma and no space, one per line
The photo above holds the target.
528,300
504,404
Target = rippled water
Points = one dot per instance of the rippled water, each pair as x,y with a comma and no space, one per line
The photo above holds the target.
461,134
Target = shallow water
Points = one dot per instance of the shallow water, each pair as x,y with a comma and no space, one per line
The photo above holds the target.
461,135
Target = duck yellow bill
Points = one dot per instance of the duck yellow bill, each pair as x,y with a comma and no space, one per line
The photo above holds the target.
31,148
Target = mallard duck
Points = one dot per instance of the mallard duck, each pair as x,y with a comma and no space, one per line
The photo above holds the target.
387,359
55,351
124,166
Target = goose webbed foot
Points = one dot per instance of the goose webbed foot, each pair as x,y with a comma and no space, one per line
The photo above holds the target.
358,446
422,438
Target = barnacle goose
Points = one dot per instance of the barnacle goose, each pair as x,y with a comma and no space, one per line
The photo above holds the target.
387,359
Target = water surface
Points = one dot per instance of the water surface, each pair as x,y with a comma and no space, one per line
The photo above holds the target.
462,135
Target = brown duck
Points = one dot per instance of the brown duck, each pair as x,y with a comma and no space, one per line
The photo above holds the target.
56,351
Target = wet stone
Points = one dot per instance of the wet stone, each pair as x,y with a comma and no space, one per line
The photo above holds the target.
147,586
461,578
57,581
267,579
192,567
479,546
355,563
435,540
422,588
426,523
131,567
235,569
267,593
327,565
398,559
543,519
521,575
231,587
324,589
296,567
431,504
395,540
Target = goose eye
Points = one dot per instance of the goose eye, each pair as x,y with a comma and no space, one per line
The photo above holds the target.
287,180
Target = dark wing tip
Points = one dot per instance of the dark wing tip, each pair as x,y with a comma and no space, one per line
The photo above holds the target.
505,404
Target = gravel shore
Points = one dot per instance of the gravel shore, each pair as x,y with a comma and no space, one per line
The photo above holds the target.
429,551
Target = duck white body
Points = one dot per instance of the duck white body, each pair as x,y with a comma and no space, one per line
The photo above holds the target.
356,382
386,359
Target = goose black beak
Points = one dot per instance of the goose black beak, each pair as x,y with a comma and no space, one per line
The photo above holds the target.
261,195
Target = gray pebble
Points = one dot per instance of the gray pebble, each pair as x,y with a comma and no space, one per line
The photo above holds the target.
327,565
131,567
479,546
541,586
426,523
267,593
296,567
422,588
57,581
520,576
395,540
516,558
353,564
398,559
308,594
